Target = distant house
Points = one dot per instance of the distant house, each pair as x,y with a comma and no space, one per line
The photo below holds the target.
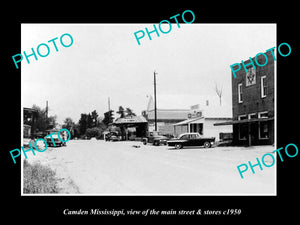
29,121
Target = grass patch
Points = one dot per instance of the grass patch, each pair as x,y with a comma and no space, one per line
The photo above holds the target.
38,179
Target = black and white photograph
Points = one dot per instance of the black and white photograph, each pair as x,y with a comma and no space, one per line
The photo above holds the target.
150,113
162,116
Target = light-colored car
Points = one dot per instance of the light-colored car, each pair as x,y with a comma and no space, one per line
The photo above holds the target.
55,140
156,138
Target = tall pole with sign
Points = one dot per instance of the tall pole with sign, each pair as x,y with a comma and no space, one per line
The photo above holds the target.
155,109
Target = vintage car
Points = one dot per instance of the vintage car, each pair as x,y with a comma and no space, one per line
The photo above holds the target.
55,140
191,139
156,138
113,136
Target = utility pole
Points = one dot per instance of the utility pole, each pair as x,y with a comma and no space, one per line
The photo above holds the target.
47,109
108,104
155,108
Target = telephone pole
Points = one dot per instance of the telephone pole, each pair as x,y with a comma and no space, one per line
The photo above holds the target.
108,103
47,109
155,108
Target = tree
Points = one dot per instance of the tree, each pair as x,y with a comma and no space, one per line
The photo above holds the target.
94,132
129,112
89,121
121,112
94,115
82,123
108,117
219,93
43,122
69,124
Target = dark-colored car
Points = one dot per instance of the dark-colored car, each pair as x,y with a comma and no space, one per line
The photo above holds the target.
156,138
191,139
113,136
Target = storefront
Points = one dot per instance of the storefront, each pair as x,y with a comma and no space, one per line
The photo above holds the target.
257,131
189,125
132,128
201,119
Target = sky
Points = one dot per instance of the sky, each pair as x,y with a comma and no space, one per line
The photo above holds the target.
105,61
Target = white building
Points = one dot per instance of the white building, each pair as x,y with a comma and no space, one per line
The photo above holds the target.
178,114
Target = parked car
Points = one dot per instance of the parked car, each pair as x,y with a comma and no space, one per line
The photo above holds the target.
156,138
55,140
113,136
191,139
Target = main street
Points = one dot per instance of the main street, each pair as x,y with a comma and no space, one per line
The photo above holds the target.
130,168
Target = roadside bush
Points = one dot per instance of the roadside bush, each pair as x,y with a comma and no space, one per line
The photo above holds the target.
94,132
38,179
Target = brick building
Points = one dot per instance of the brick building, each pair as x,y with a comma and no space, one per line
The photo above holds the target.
253,103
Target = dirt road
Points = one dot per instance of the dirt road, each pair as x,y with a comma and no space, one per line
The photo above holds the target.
98,167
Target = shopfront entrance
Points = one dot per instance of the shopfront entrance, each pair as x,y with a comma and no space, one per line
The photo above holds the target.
196,127
132,128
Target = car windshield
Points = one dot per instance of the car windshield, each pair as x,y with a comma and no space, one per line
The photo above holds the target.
53,136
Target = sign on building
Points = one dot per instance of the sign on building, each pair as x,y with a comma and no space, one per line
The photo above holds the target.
250,77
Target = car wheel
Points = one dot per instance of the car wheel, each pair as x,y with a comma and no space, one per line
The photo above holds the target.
156,143
144,142
207,144
178,146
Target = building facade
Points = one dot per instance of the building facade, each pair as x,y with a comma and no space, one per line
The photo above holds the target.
201,119
29,122
166,118
253,103
178,114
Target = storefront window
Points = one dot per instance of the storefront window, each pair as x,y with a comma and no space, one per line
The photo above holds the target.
240,93
263,86
197,127
263,130
243,130
242,117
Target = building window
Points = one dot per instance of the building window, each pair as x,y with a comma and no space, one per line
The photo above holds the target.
242,117
263,126
250,77
240,93
243,131
263,130
263,86
252,116
243,128
263,114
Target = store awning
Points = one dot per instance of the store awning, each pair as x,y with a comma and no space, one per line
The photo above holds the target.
243,121
134,119
190,121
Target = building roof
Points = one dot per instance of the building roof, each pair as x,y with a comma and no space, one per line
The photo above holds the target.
129,120
178,106
190,121
169,114
243,121
29,109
